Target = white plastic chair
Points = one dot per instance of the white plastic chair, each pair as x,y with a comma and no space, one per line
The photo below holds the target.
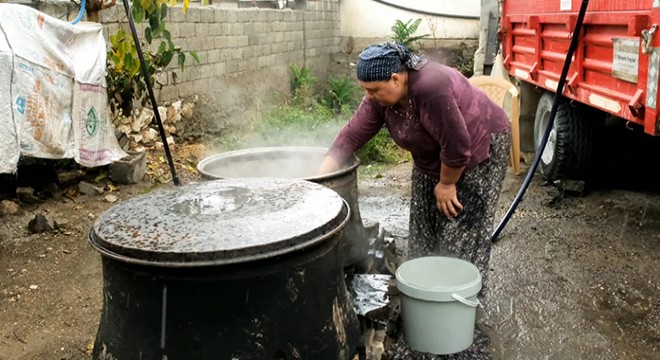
504,94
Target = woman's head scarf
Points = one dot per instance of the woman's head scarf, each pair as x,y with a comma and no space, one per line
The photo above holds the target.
378,62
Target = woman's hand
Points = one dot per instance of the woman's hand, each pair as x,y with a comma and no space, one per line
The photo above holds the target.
328,165
446,199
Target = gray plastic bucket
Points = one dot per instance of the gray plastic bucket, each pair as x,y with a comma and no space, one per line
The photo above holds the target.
438,303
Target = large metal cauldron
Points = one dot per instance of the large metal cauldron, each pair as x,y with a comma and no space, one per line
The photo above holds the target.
227,269
297,162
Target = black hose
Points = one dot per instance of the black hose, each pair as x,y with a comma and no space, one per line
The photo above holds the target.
551,120
424,12
150,90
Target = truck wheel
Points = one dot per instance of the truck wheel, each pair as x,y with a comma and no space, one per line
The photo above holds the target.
568,151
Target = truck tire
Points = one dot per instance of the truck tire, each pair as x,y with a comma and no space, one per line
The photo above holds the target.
568,151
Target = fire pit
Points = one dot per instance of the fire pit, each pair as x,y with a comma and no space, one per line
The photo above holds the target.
297,162
226,269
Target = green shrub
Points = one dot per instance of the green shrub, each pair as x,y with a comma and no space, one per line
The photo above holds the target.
342,93
405,32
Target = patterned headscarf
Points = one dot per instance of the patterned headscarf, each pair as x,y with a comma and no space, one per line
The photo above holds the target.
379,62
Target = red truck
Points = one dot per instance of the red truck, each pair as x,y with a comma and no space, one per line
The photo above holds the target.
614,73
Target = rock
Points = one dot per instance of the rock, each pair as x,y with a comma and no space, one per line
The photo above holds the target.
122,139
111,198
170,129
187,111
162,111
70,177
40,224
89,189
174,112
62,225
50,190
8,207
143,120
149,135
170,142
129,170
26,196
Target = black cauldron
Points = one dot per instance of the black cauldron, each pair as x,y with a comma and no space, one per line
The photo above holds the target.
225,269
297,162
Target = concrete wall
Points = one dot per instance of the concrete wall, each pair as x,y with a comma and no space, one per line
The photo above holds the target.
368,21
245,53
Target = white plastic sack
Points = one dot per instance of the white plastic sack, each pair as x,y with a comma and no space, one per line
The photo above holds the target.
56,103
42,110
8,139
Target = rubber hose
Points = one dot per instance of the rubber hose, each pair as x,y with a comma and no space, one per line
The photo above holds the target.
551,120
423,12
80,14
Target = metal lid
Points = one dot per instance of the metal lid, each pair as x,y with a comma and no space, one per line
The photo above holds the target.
219,222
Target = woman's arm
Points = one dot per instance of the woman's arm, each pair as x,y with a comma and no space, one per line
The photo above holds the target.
364,125
329,164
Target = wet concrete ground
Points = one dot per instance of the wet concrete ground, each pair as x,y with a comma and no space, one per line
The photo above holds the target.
571,277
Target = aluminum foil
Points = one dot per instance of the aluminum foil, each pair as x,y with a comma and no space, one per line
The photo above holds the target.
369,292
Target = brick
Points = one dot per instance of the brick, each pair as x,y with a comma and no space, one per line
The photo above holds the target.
208,14
174,29
168,93
129,170
186,30
220,16
215,29
219,68
194,15
201,30
186,89
236,29
176,14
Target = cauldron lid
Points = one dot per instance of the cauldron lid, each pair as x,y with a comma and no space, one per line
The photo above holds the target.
219,222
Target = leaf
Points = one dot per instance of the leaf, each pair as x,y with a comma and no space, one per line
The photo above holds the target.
167,35
167,58
162,47
163,11
186,4
101,176
154,22
182,60
195,56
147,34
138,15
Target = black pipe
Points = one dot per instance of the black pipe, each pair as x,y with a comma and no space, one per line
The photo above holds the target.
424,12
150,90
553,112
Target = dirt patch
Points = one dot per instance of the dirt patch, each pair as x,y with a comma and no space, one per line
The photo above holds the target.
572,277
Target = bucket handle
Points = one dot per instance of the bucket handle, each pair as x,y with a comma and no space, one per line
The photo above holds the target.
466,301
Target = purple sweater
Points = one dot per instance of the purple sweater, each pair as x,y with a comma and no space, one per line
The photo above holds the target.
451,122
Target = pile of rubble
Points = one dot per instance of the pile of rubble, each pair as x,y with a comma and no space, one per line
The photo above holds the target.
139,131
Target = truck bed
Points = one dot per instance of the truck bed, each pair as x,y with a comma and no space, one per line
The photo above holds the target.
613,68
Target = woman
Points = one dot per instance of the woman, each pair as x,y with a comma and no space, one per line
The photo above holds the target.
459,141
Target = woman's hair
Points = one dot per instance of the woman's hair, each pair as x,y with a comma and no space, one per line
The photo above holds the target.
378,62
